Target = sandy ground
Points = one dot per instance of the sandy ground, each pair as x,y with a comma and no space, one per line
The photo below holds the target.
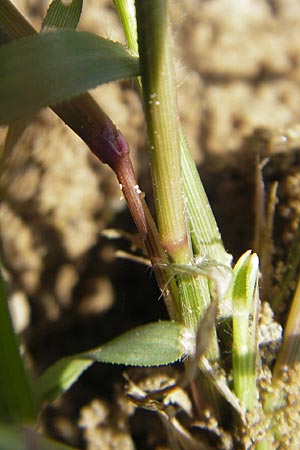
237,69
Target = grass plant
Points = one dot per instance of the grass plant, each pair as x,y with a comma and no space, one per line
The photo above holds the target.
192,268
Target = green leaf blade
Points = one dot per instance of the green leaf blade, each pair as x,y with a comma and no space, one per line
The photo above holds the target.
59,377
45,69
62,15
16,400
59,15
154,344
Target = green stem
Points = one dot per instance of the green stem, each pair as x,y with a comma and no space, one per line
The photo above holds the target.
162,122
194,293
204,230
161,113
158,88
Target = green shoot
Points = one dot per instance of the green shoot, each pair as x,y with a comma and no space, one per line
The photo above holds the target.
245,309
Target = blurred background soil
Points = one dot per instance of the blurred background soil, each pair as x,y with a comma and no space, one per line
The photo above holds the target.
238,69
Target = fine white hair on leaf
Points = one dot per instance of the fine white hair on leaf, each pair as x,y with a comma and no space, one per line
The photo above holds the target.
219,274
188,342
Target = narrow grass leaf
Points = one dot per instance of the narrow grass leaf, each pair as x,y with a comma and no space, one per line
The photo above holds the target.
59,377
205,234
11,24
62,15
59,15
17,438
16,400
153,344
45,69
126,11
